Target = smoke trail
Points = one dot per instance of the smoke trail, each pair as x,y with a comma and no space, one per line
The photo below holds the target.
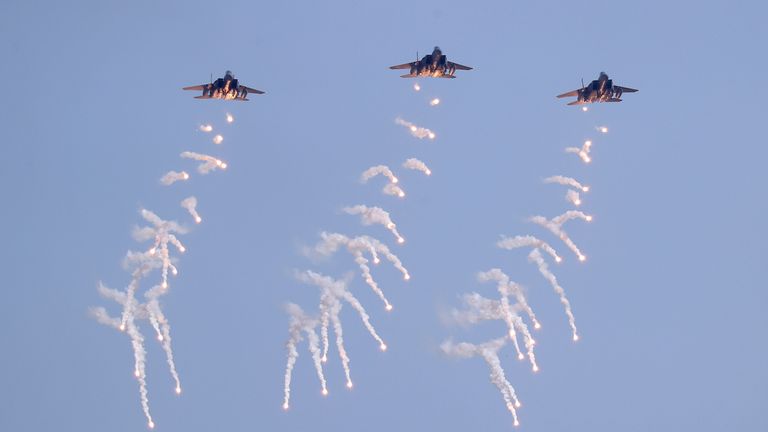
377,170
583,152
573,197
191,205
162,232
394,190
416,164
555,226
160,322
209,164
525,241
218,139
417,131
299,322
172,177
566,181
206,128
375,215
535,257
506,288
489,352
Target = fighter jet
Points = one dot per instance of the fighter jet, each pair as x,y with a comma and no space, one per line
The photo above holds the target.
226,88
599,90
434,65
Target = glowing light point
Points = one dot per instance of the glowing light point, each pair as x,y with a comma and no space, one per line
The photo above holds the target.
582,258
218,139
535,368
206,128
431,135
537,325
585,188
416,87
517,423
324,359
407,277
575,338
394,180
518,404
174,271
577,202
349,384
401,240
122,327
178,390
285,406
198,219
165,285
428,172
401,194
388,307
182,249
325,392
230,118
603,129
585,109
434,102
376,261
383,347
223,165
185,175
152,251
558,259
160,338
414,128
520,357
587,143
136,373
151,424
589,218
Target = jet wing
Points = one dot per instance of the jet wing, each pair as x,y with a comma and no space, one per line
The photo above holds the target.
202,97
458,66
197,87
569,94
447,76
625,89
404,66
577,103
250,90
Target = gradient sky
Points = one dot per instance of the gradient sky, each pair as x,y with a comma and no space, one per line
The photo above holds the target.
671,303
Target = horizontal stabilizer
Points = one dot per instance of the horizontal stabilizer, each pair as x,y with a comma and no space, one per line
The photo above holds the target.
577,103
202,97
402,66
614,100
625,89
569,94
447,76
408,76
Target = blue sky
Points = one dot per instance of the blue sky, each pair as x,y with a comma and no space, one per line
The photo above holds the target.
670,303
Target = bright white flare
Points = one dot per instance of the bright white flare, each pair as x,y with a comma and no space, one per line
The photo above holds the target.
583,152
300,322
206,128
434,102
573,197
566,181
510,243
172,177
489,351
218,139
585,108
535,257
394,190
230,118
375,215
378,170
191,205
417,131
602,129
416,87
209,164
418,165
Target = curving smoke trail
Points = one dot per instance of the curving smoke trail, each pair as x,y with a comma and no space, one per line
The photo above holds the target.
331,242
535,257
417,131
300,322
583,152
162,328
394,190
209,164
418,165
163,233
489,351
510,243
566,181
332,293
555,226
378,170
375,215
507,288
190,204
172,177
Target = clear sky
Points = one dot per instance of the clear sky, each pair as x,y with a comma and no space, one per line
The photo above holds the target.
670,305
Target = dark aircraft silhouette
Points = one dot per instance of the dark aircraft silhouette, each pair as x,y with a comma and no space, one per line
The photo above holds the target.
599,90
434,65
226,88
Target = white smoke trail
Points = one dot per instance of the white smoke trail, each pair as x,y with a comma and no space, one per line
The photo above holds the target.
394,190
417,131
378,170
162,232
206,128
489,352
527,241
190,204
172,177
218,139
300,322
416,164
566,181
535,257
573,197
375,215
583,152
209,164
555,226
506,288
160,322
